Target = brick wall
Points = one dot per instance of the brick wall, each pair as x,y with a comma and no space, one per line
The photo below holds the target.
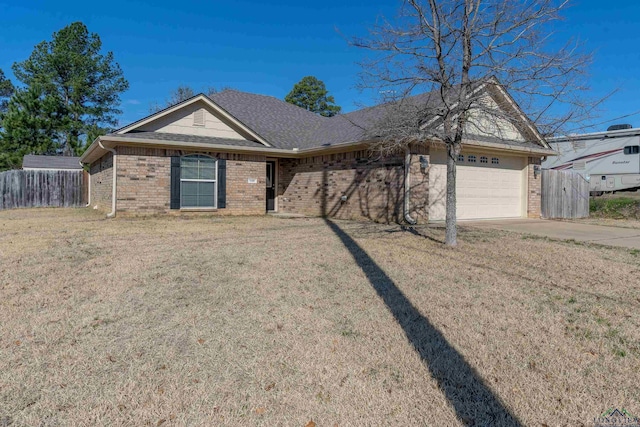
533,189
144,179
372,186
419,182
101,176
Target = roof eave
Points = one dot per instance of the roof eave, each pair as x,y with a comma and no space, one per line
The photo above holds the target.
505,146
93,153
89,156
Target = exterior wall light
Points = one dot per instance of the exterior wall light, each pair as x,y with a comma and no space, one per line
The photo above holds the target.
424,163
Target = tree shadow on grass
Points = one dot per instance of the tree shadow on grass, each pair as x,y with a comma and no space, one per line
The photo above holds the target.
415,232
473,401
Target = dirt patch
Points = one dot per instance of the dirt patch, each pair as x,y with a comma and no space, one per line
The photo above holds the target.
267,321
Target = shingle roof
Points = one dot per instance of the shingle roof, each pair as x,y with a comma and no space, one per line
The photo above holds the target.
287,126
176,137
32,161
282,124
357,125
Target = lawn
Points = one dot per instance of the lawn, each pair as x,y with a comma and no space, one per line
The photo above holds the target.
615,207
206,321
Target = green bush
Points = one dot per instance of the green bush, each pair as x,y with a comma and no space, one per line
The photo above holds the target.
617,208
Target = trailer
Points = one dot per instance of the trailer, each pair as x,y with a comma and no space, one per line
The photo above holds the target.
609,160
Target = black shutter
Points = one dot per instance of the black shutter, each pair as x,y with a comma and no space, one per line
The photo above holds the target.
175,182
222,183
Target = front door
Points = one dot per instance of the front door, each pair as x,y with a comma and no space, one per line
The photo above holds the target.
271,185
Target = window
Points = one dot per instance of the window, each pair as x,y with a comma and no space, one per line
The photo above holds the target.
495,161
483,159
198,184
471,159
632,149
460,158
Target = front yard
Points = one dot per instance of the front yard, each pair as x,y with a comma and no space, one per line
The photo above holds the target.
266,321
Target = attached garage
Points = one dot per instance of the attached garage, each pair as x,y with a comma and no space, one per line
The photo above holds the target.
488,185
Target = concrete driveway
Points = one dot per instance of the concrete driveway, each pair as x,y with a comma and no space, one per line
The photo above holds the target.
612,236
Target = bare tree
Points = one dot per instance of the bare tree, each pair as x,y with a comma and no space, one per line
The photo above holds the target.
458,51
182,93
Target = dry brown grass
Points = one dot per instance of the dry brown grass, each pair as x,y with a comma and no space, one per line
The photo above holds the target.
610,222
266,321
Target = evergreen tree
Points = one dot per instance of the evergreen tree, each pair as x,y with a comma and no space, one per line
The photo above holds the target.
312,95
30,126
71,70
6,90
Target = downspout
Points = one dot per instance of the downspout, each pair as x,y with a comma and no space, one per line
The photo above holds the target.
407,187
89,190
113,190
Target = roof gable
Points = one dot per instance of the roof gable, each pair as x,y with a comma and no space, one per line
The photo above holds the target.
199,116
523,122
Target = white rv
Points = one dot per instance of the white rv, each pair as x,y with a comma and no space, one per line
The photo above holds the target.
609,160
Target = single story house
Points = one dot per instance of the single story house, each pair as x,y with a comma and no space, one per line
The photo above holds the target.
238,153
32,162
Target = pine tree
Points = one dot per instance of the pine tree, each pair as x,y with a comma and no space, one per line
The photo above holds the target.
30,126
71,70
312,95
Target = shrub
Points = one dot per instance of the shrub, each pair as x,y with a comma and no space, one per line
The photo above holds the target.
617,208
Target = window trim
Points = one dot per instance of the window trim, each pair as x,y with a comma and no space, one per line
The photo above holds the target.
495,160
214,181
484,160
471,158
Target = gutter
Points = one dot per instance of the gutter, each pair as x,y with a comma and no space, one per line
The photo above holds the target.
113,189
274,152
510,148
295,153
407,187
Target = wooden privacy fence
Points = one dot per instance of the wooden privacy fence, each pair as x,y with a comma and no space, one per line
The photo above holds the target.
565,194
36,188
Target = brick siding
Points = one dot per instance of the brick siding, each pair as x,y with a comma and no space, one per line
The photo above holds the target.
101,176
350,185
533,189
144,181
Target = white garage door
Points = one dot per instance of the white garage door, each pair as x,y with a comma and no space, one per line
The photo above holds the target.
488,186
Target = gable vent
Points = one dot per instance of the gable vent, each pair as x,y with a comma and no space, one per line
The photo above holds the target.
198,117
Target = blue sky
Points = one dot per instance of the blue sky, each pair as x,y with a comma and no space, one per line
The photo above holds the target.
266,47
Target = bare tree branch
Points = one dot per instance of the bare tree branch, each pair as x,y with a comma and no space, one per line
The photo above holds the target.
450,49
